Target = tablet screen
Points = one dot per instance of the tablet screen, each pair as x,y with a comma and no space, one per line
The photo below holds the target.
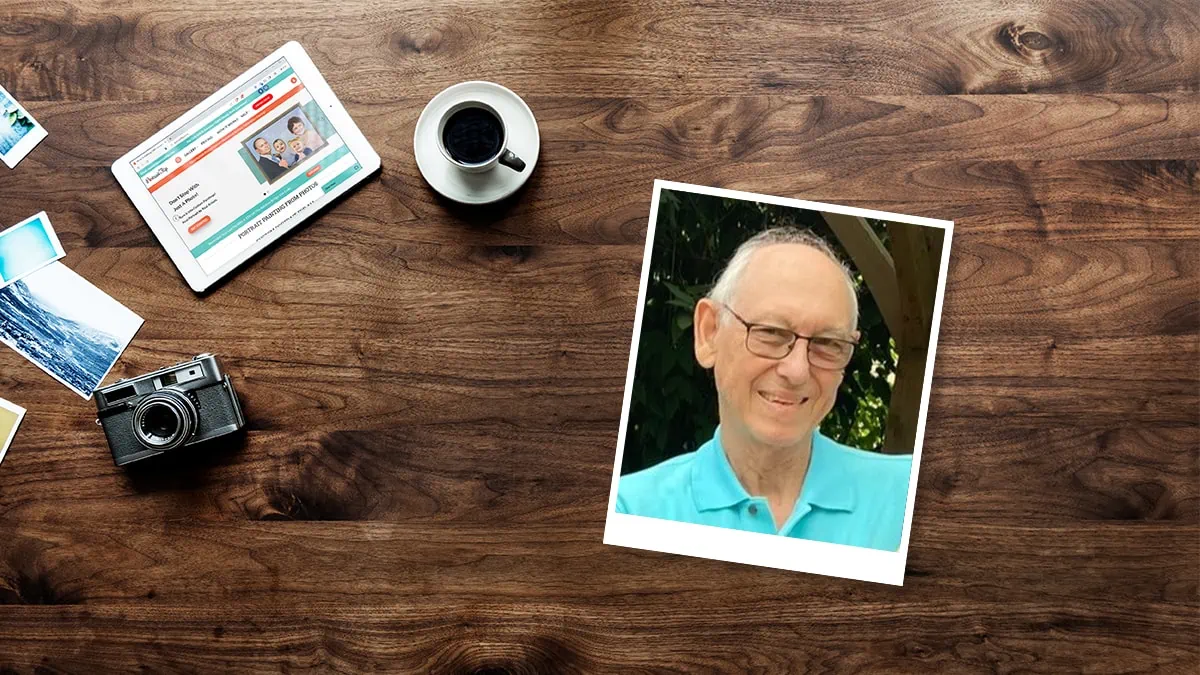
247,167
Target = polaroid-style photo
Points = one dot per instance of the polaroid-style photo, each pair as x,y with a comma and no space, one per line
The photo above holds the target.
66,326
282,144
19,132
27,247
10,418
778,382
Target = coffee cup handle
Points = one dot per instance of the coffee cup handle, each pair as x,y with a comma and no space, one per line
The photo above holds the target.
513,162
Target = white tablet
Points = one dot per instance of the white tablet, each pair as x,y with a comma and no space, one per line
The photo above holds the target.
244,167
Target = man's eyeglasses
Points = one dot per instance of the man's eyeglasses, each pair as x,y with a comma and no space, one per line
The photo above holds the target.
773,342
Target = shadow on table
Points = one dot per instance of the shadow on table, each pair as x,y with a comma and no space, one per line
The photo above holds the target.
482,216
187,468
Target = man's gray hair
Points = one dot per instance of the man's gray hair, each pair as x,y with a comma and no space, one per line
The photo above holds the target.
726,285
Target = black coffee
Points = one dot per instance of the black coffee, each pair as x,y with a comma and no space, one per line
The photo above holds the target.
473,135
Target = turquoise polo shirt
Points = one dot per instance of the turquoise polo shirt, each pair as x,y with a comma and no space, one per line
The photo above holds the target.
849,496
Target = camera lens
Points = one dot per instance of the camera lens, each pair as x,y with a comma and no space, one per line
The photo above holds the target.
164,420
160,421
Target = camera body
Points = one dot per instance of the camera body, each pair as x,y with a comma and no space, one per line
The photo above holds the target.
173,407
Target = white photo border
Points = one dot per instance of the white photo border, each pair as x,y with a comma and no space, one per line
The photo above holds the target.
87,395
28,142
718,543
59,251
20,413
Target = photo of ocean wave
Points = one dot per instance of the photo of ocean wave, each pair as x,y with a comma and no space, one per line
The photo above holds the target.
66,326
14,123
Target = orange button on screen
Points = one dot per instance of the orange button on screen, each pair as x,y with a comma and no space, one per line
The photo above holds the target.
199,224
313,170
262,101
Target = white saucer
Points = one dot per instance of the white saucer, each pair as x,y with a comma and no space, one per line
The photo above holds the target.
489,186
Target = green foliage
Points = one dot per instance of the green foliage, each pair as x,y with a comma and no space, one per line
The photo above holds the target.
674,402
17,119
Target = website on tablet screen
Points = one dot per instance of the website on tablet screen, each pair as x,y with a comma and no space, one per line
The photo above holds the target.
247,166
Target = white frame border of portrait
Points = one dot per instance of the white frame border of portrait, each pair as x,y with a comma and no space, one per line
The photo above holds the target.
20,413
717,543
28,142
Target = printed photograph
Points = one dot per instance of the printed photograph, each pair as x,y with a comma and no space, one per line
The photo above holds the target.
26,247
16,125
10,418
283,144
778,379
66,326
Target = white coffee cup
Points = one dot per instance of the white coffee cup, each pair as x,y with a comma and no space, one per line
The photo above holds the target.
486,127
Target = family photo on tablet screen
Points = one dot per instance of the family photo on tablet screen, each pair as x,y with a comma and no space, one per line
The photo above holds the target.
283,144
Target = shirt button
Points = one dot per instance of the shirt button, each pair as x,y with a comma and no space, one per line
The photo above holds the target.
753,510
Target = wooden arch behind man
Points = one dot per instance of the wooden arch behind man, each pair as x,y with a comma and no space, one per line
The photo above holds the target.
903,282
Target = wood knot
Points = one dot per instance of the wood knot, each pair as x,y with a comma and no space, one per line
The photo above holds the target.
1022,41
1034,40
504,256
34,589
307,503
409,44
542,654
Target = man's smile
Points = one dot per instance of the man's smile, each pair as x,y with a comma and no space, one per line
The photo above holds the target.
783,400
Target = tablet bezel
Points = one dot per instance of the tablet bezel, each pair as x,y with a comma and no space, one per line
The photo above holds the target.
298,59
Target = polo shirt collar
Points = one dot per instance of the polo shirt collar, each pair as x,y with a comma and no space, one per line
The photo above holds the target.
827,485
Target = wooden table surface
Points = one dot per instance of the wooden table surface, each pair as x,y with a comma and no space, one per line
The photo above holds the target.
434,392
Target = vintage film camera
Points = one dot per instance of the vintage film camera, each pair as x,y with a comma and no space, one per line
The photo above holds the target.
174,407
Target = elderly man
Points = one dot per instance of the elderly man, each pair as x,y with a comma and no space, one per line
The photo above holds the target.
266,160
778,329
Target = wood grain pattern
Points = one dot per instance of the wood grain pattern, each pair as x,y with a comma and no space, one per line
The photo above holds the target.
434,392
531,638
410,474
126,51
177,562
